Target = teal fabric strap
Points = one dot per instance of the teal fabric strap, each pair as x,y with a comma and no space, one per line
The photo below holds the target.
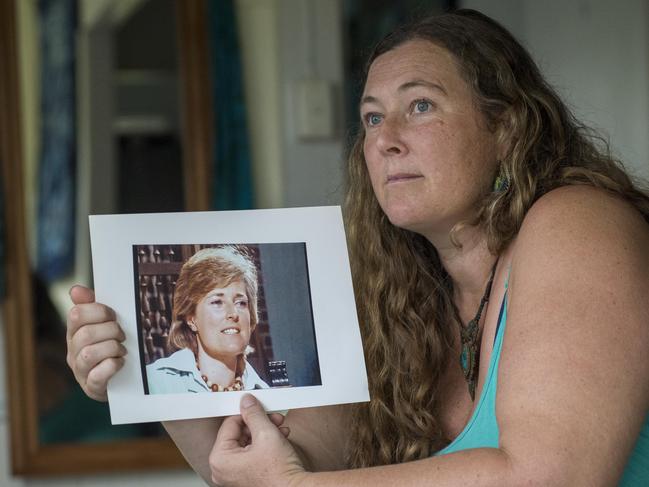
482,429
636,473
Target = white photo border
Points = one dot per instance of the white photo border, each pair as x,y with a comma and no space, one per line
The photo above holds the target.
338,340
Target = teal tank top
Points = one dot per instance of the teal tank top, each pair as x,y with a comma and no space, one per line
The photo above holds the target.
482,429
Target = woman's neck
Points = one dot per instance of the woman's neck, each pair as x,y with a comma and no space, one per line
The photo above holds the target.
218,371
468,266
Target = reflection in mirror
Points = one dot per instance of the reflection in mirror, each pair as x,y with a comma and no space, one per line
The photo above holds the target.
138,137
126,110
90,124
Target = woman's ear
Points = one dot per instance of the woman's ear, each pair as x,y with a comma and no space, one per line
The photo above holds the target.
192,324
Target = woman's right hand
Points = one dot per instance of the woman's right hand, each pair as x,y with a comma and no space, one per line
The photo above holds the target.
95,351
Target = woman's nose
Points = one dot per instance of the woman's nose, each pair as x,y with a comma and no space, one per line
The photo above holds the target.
390,141
232,314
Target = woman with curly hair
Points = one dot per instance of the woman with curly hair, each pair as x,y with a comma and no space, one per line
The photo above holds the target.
501,272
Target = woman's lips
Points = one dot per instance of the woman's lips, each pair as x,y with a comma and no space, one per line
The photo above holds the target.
402,177
231,331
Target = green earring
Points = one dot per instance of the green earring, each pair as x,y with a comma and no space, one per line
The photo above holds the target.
502,182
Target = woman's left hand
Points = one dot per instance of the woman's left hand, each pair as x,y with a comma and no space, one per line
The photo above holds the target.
252,449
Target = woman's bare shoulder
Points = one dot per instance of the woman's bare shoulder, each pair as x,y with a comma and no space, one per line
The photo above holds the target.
577,236
584,218
581,201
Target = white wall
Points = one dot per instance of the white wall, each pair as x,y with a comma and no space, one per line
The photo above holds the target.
311,47
284,42
596,53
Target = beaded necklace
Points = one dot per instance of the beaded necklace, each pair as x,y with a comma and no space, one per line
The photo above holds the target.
470,336
237,385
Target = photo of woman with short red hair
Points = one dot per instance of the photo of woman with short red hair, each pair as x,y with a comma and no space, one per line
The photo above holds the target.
214,315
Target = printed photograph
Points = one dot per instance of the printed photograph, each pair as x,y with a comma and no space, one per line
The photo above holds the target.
214,305
224,317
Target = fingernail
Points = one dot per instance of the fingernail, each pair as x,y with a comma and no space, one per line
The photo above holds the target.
248,401
70,290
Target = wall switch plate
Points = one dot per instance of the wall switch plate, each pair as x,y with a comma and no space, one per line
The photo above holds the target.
314,109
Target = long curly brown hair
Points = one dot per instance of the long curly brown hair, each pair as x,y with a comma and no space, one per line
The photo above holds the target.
403,292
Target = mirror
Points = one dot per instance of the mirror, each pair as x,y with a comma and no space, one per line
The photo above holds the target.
141,75
298,60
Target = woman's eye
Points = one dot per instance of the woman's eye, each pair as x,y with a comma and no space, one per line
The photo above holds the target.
372,119
242,304
217,302
422,106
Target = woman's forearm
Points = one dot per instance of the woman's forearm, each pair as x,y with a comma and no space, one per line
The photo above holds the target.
483,467
195,439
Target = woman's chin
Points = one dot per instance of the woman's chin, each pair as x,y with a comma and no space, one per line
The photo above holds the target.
423,221
403,214
406,221
226,353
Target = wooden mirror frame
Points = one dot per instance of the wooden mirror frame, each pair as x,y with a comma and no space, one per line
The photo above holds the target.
28,456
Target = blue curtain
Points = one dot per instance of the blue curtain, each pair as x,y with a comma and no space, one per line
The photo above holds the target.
232,188
57,164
